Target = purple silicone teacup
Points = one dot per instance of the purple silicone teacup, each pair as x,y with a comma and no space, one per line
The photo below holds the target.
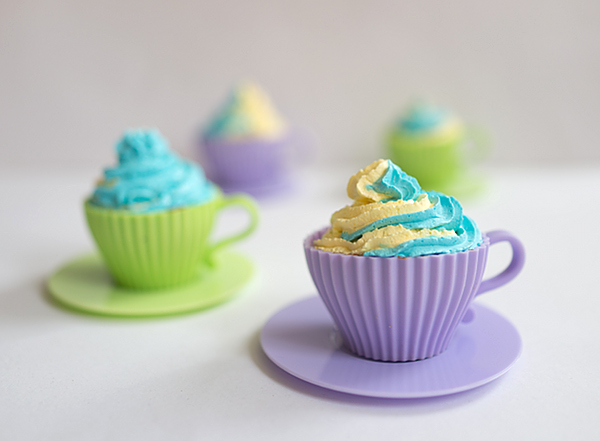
256,166
404,309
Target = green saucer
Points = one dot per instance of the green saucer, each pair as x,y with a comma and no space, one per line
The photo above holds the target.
85,284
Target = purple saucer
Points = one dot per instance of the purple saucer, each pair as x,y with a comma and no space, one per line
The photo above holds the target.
301,339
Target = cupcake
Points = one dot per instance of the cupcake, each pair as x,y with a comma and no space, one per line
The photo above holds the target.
398,268
245,145
151,215
430,142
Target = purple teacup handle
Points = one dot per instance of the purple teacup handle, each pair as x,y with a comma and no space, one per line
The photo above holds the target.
512,270
514,267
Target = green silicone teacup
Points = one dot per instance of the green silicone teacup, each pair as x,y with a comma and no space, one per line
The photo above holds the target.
437,162
164,249
439,153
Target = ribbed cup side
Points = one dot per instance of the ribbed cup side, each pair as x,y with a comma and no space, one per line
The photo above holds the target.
156,250
247,162
396,309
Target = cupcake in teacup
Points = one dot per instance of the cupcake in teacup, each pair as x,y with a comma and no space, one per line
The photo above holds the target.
438,148
152,214
246,146
398,268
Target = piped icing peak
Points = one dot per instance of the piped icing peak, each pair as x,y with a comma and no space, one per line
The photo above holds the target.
382,180
247,114
392,216
422,115
139,145
150,177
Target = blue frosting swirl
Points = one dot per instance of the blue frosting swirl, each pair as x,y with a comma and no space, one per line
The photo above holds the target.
150,177
467,237
445,214
396,184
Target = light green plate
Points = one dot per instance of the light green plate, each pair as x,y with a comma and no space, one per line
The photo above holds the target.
86,285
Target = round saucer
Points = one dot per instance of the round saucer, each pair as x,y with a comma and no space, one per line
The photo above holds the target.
301,339
86,285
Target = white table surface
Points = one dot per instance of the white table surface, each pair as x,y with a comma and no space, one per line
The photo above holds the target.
70,376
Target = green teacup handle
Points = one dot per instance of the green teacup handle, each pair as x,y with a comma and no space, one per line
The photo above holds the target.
250,206
479,139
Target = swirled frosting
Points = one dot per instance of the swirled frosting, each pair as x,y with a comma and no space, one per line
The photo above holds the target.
247,114
423,120
392,216
150,177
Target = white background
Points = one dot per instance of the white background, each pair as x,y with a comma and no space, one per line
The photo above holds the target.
74,74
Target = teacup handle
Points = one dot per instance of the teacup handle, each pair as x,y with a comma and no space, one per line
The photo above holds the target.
514,267
510,272
479,140
244,202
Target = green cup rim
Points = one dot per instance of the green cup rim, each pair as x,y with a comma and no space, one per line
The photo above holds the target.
125,212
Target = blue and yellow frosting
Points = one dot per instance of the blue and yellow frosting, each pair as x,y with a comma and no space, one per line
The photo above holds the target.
426,124
247,114
393,217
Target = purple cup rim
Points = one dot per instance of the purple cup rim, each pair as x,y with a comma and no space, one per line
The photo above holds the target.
283,137
308,246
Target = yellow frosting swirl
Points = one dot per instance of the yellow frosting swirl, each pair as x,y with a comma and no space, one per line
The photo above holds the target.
387,237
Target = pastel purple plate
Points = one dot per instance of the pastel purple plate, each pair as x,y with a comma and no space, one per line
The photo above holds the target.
301,339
